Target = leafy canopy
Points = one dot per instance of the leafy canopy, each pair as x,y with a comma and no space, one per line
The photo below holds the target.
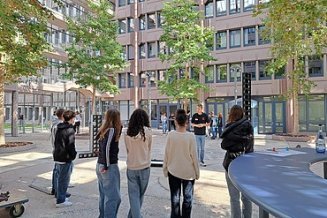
187,47
95,55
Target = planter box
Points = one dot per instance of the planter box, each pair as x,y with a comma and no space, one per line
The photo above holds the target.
293,138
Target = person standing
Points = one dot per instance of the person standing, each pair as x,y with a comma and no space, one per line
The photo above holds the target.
213,125
200,121
138,141
107,165
58,118
220,124
237,140
64,153
164,122
181,166
77,123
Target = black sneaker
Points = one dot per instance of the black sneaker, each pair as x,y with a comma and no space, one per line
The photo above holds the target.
53,191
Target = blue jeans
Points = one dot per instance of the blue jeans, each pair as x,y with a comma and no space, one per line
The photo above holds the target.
54,178
175,184
200,142
109,190
137,183
214,132
64,171
235,206
164,127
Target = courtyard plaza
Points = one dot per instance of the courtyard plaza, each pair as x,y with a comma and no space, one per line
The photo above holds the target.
21,169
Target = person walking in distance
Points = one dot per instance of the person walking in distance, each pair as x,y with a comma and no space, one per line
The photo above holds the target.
200,121
64,153
163,119
77,123
181,166
107,165
220,123
138,141
237,140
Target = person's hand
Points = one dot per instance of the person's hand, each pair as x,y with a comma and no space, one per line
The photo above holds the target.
103,170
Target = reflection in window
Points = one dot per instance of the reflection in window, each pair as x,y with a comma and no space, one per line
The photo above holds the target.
235,38
122,26
142,79
142,22
122,80
162,48
250,67
142,51
235,72
315,66
249,5
261,39
161,75
234,6
130,23
221,40
221,73
221,7
249,36
210,74
130,80
208,10
151,21
123,53
263,74
152,51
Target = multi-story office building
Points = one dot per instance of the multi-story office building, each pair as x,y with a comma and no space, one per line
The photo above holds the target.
238,44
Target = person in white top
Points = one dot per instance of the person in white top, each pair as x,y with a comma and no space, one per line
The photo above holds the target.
138,141
181,165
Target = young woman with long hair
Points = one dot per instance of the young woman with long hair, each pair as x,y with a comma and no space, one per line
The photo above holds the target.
138,141
237,140
181,166
107,166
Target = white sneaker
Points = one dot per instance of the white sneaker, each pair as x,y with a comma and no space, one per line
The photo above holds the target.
203,164
64,204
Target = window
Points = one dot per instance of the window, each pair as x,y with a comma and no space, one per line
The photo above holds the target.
161,75
123,52
261,39
142,22
248,5
315,66
162,48
130,80
151,78
121,3
221,7
130,52
151,21
235,38
142,79
250,67
142,51
122,26
159,19
208,10
221,73
130,2
249,36
234,6
221,40
263,74
235,71
130,23
280,73
122,80
210,74
141,0
152,51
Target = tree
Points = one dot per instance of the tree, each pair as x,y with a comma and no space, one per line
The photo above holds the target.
297,30
188,47
95,55
22,43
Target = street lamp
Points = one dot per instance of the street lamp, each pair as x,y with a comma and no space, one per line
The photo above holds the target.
235,72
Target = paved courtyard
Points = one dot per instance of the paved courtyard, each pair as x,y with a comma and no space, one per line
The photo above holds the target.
19,170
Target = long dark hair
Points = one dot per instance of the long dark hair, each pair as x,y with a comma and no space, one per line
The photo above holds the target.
111,120
139,119
235,113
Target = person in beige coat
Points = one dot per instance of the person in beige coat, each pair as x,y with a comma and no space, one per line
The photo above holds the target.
181,166
138,141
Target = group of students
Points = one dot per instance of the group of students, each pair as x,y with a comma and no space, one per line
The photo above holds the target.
180,165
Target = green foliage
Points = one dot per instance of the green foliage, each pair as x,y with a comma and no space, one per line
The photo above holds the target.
189,46
95,55
22,27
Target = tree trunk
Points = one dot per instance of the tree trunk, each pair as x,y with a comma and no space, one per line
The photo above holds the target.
93,100
2,110
295,98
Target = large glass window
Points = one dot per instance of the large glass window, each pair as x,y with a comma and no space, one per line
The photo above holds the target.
315,66
235,72
234,6
142,51
122,26
123,52
152,51
130,23
221,73
221,40
221,7
261,39
151,21
249,36
162,48
159,19
130,80
249,5
142,22
250,67
130,52
235,38
122,80
161,75
121,3
263,74
210,74
142,79
208,10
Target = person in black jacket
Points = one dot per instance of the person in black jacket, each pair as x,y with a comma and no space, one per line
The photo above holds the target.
64,153
237,140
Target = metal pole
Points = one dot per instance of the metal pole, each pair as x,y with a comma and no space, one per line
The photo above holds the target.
235,86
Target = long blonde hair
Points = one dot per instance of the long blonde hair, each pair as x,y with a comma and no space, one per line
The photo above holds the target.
111,120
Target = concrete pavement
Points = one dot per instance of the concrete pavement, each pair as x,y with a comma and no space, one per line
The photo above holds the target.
20,169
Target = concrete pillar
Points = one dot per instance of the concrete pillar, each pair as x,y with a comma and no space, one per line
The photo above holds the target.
14,114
